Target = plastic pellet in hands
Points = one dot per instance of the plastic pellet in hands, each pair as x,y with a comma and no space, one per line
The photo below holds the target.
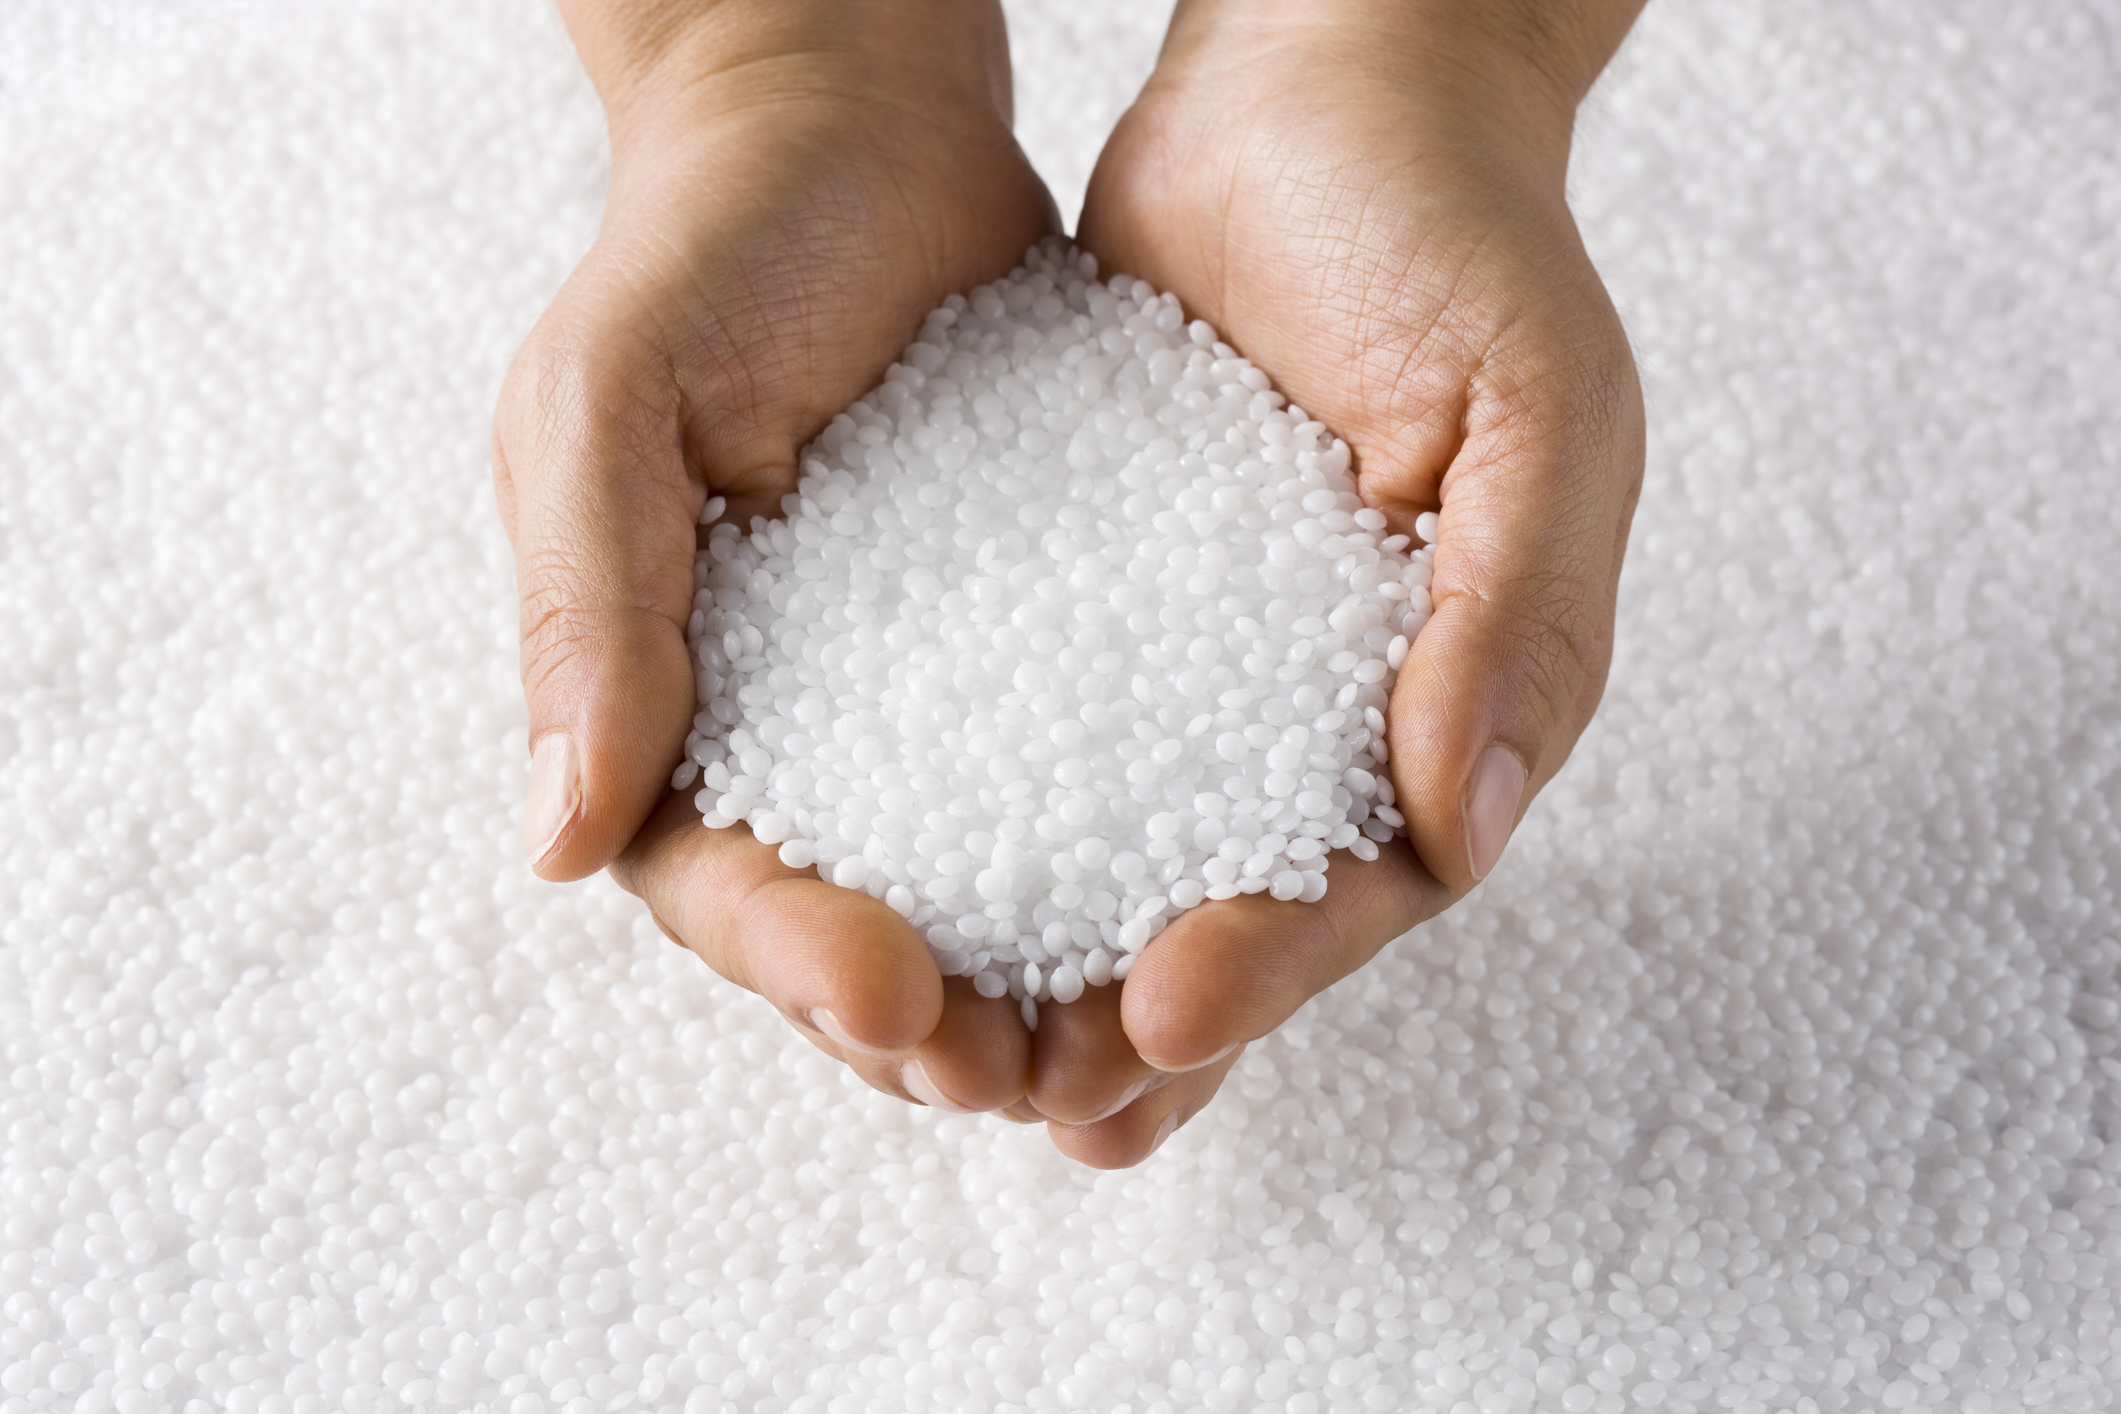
1071,625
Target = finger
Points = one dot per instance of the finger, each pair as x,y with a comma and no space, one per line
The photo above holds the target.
844,964
1083,1067
977,1058
602,508
1139,1130
1535,509
1229,972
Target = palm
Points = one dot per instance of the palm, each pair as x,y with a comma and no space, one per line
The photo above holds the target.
1394,301
753,282
747,285
1442,319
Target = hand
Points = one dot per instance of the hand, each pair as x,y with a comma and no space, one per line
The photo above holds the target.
795,184
1367,201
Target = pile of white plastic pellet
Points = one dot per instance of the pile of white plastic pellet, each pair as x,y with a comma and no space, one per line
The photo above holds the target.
1070,625
1777,1068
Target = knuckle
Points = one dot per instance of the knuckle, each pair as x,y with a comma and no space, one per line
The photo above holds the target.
1569,380
569,605
1551,638
586,379
556,628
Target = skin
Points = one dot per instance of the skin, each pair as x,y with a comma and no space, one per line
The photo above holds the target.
788,201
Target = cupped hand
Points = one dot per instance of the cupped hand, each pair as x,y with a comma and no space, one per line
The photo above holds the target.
1373,212
794,186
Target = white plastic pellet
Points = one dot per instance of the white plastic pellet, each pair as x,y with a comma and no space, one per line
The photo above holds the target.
1800,980
1070,613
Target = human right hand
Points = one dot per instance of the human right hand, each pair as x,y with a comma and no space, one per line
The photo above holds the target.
795,184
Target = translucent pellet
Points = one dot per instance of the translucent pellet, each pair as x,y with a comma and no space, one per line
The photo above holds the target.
1043,606
313,1098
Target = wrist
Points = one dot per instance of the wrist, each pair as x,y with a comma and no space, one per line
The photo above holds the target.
661,67
1504,74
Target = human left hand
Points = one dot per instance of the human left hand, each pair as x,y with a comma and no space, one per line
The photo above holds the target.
1367,200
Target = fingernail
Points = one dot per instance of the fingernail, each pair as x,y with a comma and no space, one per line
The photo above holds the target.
1492,797
826,1022
914,1077
1133,1093
555,794
1167,1068
1022,1112
1163,1132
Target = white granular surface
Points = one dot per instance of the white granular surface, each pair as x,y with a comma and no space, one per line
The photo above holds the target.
1775,1069
1071,624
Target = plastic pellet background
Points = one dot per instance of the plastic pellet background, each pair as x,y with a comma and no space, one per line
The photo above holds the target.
1775,1069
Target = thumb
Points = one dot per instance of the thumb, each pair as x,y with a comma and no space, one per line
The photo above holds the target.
592,481
1504,678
